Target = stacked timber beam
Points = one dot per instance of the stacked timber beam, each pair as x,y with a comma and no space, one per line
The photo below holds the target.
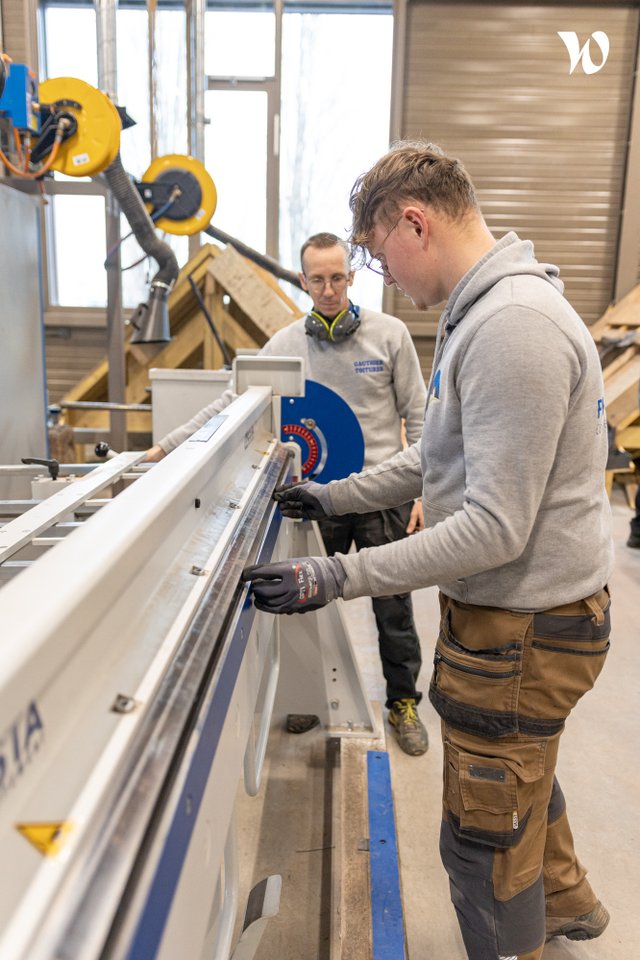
617,335
247,307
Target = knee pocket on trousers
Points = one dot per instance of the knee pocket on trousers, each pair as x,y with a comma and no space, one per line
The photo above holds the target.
488,799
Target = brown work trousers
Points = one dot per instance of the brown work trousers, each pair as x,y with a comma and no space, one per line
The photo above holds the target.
503,683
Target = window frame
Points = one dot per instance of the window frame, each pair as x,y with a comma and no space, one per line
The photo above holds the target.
59,314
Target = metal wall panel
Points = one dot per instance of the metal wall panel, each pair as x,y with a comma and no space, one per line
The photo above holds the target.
490,83
19,31
22,384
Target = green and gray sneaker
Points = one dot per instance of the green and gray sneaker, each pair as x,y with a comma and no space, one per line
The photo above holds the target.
409,729
587,927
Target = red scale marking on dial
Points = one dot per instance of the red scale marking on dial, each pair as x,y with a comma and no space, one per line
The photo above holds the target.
309,439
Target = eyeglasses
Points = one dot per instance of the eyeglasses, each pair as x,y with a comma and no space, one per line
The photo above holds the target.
377,264
336,282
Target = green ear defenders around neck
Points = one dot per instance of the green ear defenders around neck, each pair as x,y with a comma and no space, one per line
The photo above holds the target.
336,330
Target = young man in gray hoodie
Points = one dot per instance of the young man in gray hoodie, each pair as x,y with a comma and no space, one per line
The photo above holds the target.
511,472
369,360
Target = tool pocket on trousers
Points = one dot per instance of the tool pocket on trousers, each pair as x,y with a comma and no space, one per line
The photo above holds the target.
477,666
566,655
489,799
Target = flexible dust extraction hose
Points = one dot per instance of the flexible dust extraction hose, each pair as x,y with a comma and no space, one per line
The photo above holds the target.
144,231
141,223
267,263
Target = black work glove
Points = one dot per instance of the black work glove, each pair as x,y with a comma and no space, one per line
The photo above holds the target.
297,585
303,499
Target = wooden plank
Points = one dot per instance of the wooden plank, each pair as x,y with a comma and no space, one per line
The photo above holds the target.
137,420
619,362
235,334
621,394
91,387
264,309
259,307
181,351
627,419
273,282
627,375
624,313
629,320
95,385
629,438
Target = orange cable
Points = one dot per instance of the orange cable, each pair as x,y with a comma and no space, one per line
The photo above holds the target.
18,143
27,152
42,170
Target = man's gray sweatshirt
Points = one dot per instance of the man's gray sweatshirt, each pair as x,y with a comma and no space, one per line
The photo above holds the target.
512,457
376,371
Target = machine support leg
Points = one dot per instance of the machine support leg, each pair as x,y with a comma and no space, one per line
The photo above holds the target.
263,903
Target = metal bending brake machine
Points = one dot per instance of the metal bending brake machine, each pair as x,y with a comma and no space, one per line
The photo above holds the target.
137,682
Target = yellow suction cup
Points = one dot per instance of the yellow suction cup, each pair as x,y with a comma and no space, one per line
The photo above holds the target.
96,142
182,185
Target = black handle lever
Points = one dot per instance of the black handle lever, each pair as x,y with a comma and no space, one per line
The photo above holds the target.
52,465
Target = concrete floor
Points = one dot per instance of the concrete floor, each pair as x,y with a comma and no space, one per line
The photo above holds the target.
286,829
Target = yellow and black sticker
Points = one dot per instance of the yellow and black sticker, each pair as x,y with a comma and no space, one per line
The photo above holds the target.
48,838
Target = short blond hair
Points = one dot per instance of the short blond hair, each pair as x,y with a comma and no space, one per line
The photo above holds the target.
325,241
411,170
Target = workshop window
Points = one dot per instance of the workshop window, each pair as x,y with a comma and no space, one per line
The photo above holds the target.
170,93
70,49
132,38
285,138
76,243
331,132
76,250
235,155
239,43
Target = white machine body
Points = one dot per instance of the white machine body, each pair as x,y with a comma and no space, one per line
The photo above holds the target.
136,688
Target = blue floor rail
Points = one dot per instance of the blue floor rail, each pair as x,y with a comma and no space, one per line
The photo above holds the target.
387,922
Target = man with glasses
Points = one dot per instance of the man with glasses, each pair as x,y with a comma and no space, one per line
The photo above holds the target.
369,360
511,472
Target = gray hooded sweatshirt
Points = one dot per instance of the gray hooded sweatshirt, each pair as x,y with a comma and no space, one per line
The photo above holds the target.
512,457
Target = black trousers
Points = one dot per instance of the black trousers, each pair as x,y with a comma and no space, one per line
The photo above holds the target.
397,637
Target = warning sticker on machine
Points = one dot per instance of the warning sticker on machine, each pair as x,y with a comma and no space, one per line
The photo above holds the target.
48,838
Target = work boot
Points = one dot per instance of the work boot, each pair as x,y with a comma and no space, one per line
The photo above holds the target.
587,927
409,729
301,722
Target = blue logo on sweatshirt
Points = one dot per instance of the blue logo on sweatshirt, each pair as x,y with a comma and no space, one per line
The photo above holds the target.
435,390
369,366
600,407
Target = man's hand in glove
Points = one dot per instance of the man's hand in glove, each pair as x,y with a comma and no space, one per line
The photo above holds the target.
306,500
297,585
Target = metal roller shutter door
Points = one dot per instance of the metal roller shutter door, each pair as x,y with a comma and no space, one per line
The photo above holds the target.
490,83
